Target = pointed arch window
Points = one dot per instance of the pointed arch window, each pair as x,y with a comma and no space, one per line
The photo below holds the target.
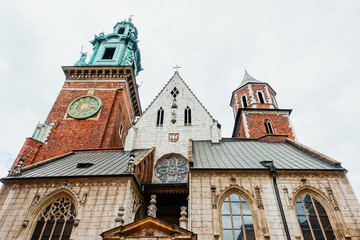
268,127
187,116
244,101
160,117
237,221
261,97
313,219
56,221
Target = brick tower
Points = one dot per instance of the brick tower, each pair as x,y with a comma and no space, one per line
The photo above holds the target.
256,112
97,102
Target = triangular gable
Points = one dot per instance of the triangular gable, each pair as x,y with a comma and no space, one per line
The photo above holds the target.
176,74
148,227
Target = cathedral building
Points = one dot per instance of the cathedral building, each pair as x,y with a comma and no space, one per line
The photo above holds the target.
100,167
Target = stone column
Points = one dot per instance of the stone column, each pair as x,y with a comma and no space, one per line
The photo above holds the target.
183,219
152,208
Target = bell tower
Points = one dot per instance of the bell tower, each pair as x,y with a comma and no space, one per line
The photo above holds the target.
97,103
256,111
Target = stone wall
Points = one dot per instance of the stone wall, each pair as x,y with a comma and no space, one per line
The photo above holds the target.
146,134
209,189
96,201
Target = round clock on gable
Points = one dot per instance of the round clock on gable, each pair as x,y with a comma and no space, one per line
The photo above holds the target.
84,107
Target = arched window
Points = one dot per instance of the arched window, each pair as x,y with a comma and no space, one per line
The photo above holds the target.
56,221
268,127
237,222
244,102
313,220
261,97
160,117
187,116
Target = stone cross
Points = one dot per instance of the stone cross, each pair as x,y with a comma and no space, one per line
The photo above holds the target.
176,68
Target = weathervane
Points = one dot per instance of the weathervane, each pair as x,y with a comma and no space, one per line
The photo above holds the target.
176,68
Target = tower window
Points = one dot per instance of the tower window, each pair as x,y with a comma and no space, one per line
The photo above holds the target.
244,102
160,117
109,53
121,30
261,98
268,127
187,116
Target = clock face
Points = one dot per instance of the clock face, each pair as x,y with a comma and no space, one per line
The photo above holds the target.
84,107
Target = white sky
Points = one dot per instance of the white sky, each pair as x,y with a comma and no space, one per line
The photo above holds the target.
308,51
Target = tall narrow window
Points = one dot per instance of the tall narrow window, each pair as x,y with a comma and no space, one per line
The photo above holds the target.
268,127
237,221
56,222
244,102
187,115
160,117
313,220
261,97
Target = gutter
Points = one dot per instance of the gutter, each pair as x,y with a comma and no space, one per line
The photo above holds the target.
270,165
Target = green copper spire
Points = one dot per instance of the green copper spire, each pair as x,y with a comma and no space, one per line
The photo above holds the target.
116,49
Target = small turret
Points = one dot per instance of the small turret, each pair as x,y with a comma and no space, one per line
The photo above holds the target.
256,111
253,93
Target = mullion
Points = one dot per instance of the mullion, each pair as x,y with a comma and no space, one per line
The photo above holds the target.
319,220
308,219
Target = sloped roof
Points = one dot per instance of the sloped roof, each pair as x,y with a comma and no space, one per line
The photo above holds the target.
104,163
248,79
244,154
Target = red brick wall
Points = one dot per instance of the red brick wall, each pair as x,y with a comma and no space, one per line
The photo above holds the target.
28,151
256,128
99,131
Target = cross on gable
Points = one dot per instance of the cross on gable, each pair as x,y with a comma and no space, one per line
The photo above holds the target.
176,67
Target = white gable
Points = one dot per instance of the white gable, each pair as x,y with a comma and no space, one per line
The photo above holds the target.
146,134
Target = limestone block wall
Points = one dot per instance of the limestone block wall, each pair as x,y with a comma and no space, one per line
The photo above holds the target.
209,189
97,203
146,134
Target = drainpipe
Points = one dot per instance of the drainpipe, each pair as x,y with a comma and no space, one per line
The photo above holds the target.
270,165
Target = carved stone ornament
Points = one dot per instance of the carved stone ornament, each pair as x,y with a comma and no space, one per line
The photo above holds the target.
213,197
332,199
152,208
288,198
119,219
259,201
25,223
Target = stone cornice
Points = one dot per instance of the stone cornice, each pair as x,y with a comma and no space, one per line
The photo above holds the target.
81,73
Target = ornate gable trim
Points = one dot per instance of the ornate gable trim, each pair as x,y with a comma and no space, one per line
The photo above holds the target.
148,227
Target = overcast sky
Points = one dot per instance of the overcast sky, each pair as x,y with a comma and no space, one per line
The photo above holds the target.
308,51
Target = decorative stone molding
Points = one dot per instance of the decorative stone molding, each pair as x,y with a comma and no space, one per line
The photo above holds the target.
35,200
84,198
259,201
332,199
213,196
152,208
288,198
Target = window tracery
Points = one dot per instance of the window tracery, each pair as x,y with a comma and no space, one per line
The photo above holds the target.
237,222
56,221
173,169
313,219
